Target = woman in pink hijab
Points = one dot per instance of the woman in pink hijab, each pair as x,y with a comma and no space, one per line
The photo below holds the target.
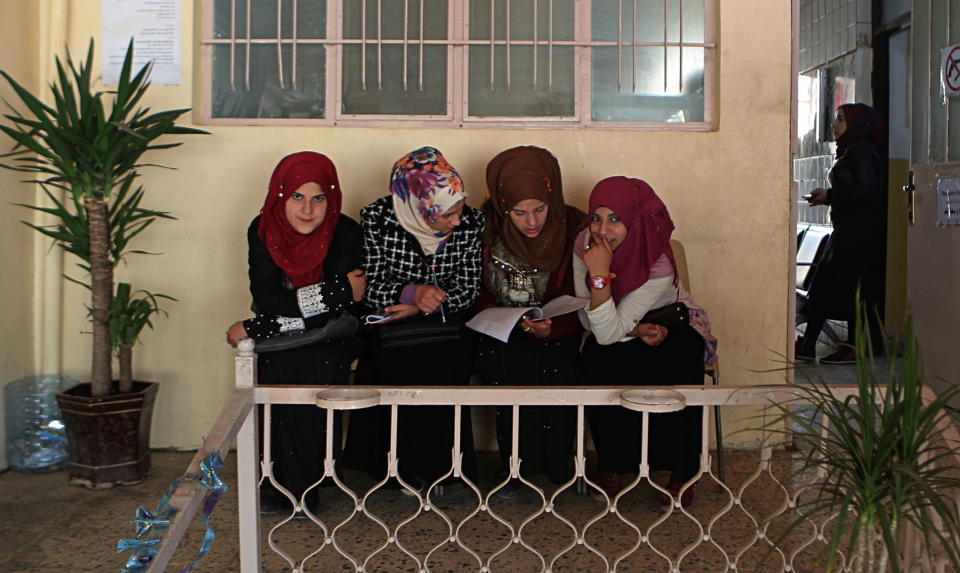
624,264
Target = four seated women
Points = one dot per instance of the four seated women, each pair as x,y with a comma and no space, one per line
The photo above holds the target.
425,269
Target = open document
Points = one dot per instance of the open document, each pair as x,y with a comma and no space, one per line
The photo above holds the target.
498,321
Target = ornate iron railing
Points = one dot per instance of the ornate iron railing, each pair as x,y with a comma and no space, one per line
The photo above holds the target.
734,526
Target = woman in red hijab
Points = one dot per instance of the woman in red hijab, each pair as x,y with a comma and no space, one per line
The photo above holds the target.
304,269
624,264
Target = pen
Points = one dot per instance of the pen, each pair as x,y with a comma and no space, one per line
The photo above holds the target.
443,315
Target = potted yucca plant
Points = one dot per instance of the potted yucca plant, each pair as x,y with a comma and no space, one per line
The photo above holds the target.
86,153
884,468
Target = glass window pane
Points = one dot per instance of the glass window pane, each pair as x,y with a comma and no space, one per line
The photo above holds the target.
938,110
650,87
265,98
522,98
361,92
549,91
311,18
655,83
392,16
651,17
918,98
391,98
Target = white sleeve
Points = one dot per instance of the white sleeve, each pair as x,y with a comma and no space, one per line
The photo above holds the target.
611,322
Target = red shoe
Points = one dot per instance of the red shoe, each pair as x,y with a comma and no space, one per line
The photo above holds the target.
610,483
846,354
674,486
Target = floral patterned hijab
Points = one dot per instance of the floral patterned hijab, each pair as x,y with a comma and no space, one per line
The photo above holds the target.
300,257
424,187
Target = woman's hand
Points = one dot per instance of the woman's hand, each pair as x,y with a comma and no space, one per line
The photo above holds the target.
429,298
651,334
399,311
818,196
358,282
536,328
598,256
235,333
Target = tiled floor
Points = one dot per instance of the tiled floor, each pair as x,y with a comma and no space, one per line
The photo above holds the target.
47,525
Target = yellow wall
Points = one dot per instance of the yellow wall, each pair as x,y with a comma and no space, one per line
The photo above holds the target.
18,28
728,191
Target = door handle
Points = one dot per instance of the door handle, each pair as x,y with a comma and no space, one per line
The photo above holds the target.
911,190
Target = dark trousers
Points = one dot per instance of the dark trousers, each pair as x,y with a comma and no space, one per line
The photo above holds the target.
298,433
675,438
546,433
425,433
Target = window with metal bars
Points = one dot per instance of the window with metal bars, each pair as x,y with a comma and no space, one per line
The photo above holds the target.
562,63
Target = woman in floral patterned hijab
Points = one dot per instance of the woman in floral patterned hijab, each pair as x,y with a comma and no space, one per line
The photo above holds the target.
421,253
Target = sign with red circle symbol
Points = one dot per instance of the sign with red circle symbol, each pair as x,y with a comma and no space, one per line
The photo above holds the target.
950,70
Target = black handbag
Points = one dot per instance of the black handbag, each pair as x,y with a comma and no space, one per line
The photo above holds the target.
419,329
672,315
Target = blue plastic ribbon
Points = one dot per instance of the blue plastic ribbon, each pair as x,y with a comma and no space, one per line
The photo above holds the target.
150,526
211,480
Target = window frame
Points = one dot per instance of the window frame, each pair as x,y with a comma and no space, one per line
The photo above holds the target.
457,94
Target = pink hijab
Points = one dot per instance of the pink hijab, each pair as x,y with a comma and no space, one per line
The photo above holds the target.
648,231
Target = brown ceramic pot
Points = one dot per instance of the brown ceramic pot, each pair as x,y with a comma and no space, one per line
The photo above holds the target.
109,435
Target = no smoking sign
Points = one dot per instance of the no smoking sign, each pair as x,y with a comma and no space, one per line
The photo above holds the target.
950,71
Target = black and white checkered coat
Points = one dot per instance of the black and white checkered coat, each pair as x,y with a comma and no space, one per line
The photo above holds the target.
393,259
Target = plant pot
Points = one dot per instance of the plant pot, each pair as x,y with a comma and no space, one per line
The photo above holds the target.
109,435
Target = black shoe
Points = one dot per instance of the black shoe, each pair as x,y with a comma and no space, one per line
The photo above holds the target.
799,354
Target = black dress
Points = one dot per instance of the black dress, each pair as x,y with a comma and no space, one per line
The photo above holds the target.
298,433
675,439
393,259
546,433
855,253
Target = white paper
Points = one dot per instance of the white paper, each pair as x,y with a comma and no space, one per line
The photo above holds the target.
155,27
498,321
948,202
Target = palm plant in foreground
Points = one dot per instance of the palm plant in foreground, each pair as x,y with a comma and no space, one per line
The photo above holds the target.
93,153
882,462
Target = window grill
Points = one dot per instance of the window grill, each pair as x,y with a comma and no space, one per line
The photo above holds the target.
589,63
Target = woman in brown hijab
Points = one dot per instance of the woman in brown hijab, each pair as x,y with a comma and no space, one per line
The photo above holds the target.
527,262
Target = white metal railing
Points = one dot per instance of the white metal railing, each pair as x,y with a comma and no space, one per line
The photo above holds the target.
736,533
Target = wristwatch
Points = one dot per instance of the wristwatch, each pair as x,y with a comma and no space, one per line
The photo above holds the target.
598,282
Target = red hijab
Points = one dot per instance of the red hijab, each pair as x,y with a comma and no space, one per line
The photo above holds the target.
299,256
648,231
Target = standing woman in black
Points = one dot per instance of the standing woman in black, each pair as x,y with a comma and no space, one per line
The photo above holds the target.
528,262
304,258
421,253
854,255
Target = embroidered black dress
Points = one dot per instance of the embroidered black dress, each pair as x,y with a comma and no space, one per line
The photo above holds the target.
298,433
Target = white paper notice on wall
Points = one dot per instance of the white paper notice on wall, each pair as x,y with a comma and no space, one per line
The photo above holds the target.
154,26
948,202
950,70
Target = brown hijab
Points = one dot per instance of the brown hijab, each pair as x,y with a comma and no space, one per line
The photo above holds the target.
524,173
